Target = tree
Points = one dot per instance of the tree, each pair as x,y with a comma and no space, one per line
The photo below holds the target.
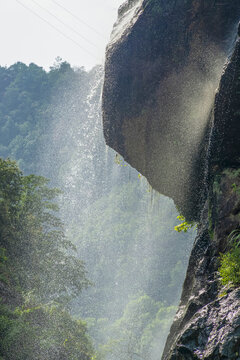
141,332
40,267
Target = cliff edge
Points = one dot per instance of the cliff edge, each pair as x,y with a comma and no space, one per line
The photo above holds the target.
162,113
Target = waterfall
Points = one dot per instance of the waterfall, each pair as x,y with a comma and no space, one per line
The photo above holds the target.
124,232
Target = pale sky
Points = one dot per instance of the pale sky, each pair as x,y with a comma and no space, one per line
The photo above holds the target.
78,36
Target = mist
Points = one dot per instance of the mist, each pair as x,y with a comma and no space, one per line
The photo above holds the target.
123,230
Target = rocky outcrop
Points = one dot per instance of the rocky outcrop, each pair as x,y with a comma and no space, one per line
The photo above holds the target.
207,325
163,65
213,333
162,115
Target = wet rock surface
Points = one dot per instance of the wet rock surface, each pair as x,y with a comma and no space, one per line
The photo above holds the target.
207,326
195,333
161,114
213,332
226,128
163,65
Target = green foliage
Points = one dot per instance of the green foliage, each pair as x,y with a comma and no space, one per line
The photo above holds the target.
26,110
184,226
133,248
229,269
120,233
128,234
236,188
232,173
42,332
3,266
44,260
137,332
39,274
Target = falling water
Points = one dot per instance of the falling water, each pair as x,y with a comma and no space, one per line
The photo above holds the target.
215,134
135,259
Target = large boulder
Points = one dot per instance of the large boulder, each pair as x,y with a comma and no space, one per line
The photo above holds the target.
163,65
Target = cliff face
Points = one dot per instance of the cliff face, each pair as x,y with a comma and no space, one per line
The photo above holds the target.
207,325
161,113
163,66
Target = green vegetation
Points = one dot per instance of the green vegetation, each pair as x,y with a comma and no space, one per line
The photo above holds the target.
42,332
27,106
185,225
229,269
138,332
232,173
236,188
133,249
124,233
40,273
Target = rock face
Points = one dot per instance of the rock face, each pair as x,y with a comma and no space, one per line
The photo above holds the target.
208,326
163,65
213,333
162,115
225,147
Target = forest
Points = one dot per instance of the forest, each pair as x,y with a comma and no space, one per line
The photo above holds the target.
91,266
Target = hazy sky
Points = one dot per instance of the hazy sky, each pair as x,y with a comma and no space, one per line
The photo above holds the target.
29,33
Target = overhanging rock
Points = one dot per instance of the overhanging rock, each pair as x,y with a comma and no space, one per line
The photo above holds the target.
163,65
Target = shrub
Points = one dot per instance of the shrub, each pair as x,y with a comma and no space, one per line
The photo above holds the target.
229,269
185,225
